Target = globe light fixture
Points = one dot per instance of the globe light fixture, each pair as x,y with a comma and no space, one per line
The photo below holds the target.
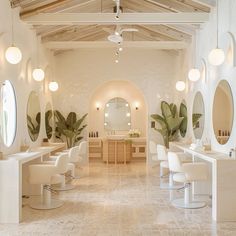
13,55
38,74
53,86
217,56
180,85
194,74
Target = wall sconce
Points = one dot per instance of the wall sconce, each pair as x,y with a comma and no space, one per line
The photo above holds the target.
136,106
97,106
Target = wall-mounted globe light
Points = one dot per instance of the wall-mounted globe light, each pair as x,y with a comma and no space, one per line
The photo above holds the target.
38,74
180,85
216,57
194,74
53,86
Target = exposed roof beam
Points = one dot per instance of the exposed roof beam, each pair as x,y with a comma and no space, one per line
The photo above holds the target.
207,3
109,18
167,45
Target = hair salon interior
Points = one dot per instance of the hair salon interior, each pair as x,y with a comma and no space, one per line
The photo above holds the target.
117,117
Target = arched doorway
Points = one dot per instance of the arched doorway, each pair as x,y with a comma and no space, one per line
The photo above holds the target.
97,120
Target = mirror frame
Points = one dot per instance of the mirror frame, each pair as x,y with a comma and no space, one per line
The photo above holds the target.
16,111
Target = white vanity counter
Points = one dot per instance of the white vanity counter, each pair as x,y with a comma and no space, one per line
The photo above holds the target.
14,180
223,175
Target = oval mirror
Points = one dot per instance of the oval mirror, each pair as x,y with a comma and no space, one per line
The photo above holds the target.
48,120
198,116
8,113
223,112
117,115
183,113
33,116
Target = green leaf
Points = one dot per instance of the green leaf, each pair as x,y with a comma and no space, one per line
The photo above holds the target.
79,122
173,109
165,109
59,117
71,120
159,119
183,110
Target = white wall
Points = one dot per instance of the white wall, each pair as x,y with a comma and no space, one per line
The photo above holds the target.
153,72
20,75
206,40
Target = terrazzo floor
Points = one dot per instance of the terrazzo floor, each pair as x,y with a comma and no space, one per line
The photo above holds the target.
117,201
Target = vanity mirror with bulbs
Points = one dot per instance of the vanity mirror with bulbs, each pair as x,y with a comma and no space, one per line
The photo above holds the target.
120,143
223,112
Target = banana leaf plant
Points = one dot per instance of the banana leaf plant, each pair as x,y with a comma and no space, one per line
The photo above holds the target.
69,129
48,118
169,122
184,123
34,126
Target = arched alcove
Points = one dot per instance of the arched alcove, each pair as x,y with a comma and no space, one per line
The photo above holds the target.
122,89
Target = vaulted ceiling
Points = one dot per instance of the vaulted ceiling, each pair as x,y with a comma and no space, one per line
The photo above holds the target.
71,23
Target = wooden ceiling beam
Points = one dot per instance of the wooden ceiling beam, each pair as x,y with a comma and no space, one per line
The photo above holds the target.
181,5
43,8
168,45
109,18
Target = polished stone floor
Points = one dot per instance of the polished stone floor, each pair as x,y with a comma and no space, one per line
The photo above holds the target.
117,200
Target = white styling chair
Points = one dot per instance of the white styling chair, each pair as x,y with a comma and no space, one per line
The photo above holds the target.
162,155
46,175
187,173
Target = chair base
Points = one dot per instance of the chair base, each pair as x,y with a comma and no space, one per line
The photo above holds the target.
42,205
170,187
180,203
66,187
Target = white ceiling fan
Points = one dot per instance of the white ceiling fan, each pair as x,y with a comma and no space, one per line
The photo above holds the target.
116,37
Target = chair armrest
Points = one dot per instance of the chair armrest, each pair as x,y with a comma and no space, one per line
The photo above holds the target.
195,171
41,173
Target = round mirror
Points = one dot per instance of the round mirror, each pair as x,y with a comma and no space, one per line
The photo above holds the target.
48,120
33,116
8,113
117,115
223,112
183,113
198,116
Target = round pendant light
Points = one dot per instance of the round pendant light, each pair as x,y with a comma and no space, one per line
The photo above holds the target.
53,86
13,55
38,74
180,85
194,74
217,56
